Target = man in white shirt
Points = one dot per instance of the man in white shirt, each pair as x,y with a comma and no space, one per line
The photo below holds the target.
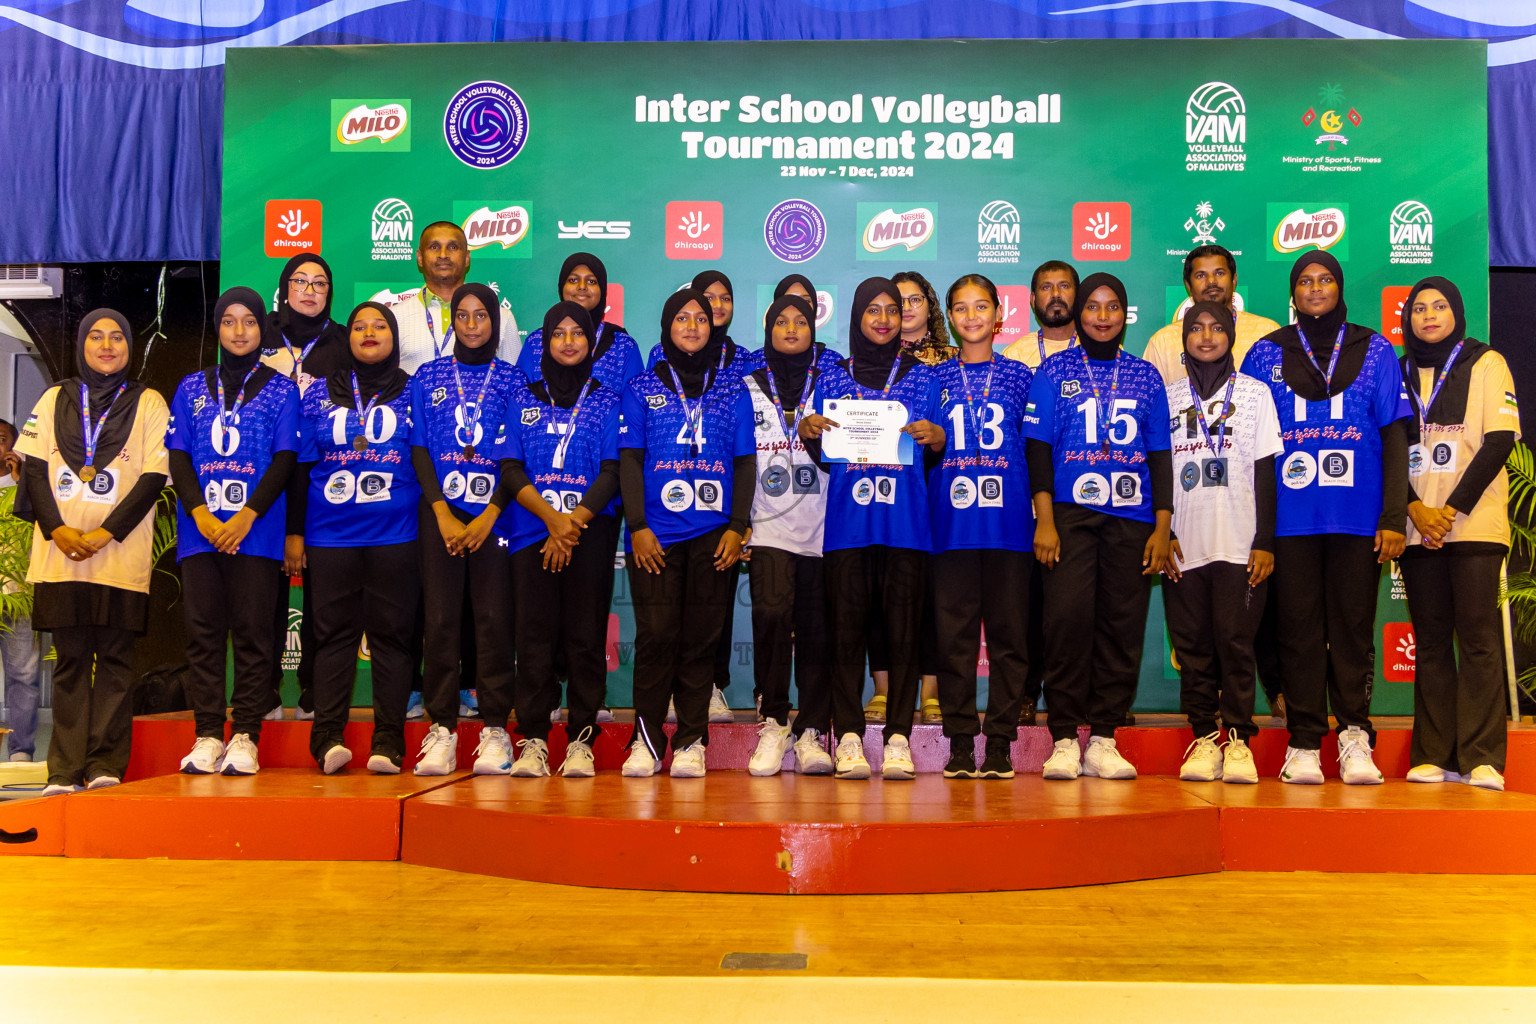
1210,275
18,644
426,327
1052,290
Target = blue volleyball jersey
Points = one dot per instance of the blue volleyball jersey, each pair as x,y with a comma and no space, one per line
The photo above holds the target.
231,454
687,494
1099,446
746,361
875,504
358,498
534,431
442,426
1330,476
618,363
979,495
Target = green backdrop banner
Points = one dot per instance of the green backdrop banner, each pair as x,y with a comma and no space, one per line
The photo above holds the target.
846,160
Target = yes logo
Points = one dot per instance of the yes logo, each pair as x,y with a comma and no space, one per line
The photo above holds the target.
1101,231
695,230
292,225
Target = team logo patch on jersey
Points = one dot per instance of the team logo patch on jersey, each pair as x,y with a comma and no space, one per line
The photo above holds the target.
655,401
807,480
1441,455
991,491
1300,470
757,418
453,485
1090,489
1336,468
1189,476
530,416
775,481
340,488
677,495
439,396
962,492
864,491
944,397
1070,388
1276,374
885,490
198,403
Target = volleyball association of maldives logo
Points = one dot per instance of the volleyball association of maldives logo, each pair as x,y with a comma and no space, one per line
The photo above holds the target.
795,230
1215,128
486,125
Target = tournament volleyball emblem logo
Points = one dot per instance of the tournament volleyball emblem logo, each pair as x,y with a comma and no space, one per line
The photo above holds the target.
486,125
795,230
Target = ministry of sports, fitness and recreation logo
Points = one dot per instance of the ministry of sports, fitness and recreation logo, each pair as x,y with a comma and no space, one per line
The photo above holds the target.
1294,229
387,125
486,125
997,233
1331,99
1215,129
1411,232
795,230
890,233
393,231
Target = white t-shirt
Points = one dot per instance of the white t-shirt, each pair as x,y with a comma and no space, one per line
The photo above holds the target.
422,340
1215,511
789,507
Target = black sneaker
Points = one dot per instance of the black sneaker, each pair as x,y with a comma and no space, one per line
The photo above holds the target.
997,765
962,760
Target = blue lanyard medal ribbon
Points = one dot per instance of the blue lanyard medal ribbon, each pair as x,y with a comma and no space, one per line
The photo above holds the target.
1040,341
805,398
230,418
1220,444
1434,392
693,415
93,434
970,401
360,442
298,360
570,426
1333,360
470,419
1099,405
437,347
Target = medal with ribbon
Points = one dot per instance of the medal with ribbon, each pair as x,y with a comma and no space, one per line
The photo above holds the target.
93,434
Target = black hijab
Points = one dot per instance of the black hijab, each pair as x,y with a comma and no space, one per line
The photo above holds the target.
598,315
297,327
717,332
232,369
1309,341
1207,378
782,288
1100,350
1450,406
871,363
485,353
384,378
790,371
688,370
563,383
68,431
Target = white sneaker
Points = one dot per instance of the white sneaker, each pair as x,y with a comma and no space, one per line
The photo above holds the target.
58,790
1486,776
719,710
21,757
639,764
104,782
383,764
439,752
671,711
1105,761
1237,763
1202,760
604,713
300,715
811,757
897,762
1355,765
579,762
1302,767
335,759
534,762
1426,773
773,742
206,754
240,756
688,763
1065,762
554,717
275,715
494,754
851,763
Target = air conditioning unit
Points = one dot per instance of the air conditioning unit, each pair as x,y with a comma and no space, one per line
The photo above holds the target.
30,281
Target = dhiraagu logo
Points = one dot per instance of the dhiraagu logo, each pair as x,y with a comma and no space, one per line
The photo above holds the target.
370,126
898,231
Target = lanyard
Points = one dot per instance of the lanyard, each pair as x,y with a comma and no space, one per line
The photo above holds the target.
970,402
1040,341
1333,360
298,360
805,397
437,348
890,379
470,419
93,434
1221,421
1098,403
693,415
570,425
1434,392
361,441
226,419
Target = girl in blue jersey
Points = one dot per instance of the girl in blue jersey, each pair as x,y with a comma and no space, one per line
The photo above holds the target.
615,356
562,449
1341,512
1097,430
789,610
983,535
687,461
459,407
359,497
877,539
233,443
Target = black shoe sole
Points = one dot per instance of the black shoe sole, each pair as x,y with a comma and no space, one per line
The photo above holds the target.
995,775
970,774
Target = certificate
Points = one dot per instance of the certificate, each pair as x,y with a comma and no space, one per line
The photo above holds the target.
868,432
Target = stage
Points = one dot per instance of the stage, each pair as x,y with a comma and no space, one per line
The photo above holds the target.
731,832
